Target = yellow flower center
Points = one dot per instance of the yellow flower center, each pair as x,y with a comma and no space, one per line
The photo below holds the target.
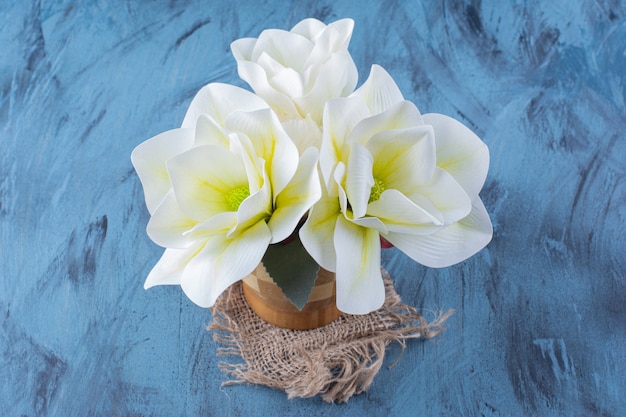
377,190
236,196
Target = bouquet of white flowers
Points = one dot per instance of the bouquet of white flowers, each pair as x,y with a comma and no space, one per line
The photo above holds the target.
308,170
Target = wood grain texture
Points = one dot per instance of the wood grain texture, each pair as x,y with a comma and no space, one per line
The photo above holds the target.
540,327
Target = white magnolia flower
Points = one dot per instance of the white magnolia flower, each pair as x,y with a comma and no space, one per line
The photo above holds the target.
297,71
389,171
220,190
203,125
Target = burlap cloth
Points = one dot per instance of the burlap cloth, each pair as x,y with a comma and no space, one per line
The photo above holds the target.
337,361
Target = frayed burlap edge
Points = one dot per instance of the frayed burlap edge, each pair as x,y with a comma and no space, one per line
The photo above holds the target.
337,361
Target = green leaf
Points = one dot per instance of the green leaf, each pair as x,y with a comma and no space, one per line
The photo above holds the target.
292,269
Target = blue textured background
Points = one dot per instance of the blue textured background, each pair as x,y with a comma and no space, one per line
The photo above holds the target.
540,327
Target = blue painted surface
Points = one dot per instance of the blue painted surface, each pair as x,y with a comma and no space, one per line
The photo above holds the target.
540,327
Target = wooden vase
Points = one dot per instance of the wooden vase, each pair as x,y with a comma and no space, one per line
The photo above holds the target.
268,301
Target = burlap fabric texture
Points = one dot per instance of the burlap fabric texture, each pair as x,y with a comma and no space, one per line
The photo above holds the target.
336,361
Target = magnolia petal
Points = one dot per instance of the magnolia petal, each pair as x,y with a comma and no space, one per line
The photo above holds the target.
379,91
202,179
290,49
337,77
258,205
340,117
339,176
270,66
349,76
255,76
149,159
346,208
330,39
445,194
317,232
370,223
207,275
403,158
242,48
209,132
451,245
288,81
304,133
220,223
340,32
297,198
399,116
271,143
218,101
168,224
360,287
310,28
241,145
169,269
359,179
256,208
400,214
460,152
